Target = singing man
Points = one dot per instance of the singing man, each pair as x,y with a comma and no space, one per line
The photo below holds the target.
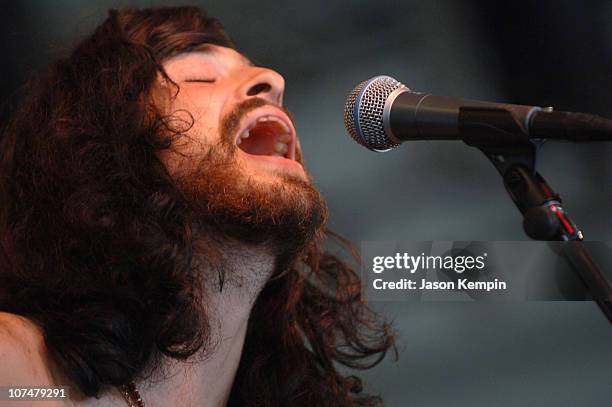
161,241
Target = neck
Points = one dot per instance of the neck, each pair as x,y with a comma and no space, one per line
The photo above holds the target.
208,380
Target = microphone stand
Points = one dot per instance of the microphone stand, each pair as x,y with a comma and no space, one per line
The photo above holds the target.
543,215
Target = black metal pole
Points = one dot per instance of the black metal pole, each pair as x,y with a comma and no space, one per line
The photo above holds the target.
591,275
545,219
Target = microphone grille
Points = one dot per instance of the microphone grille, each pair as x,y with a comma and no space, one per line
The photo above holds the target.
363,112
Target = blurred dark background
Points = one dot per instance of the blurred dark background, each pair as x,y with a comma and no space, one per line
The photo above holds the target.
546,52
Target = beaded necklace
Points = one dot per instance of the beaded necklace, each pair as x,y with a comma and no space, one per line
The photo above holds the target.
131,395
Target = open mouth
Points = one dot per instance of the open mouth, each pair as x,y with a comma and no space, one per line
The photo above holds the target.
268,133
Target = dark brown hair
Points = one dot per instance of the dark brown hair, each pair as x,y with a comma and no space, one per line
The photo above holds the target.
97,248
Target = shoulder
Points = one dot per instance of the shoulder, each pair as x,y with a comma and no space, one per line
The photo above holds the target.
23,358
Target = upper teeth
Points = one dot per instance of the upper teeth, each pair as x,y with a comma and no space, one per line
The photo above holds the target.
272,118
245,134
283,137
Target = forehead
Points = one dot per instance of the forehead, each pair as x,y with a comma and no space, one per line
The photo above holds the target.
207,55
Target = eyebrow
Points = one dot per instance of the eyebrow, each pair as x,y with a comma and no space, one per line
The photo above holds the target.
207,49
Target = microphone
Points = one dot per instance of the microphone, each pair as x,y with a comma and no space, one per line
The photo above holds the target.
381,113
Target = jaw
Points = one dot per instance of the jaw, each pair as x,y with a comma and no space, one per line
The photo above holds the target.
265,166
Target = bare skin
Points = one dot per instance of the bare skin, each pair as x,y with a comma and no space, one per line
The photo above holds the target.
211,83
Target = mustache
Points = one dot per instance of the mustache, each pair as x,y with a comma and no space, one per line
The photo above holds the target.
231,121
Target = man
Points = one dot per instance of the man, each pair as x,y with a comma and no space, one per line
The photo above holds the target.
161,238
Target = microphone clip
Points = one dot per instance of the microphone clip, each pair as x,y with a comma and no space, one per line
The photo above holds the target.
543,215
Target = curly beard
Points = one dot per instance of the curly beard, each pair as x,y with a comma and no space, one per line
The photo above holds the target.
285,215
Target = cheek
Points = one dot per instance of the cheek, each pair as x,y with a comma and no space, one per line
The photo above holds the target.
198,115
202,106
196,118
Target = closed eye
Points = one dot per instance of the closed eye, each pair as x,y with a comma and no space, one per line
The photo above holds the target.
201,80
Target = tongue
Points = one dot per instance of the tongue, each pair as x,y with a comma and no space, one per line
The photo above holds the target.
261,140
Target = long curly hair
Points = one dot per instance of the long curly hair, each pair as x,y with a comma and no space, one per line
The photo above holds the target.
97,249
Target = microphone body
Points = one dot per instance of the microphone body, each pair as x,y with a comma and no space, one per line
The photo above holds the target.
381,113
420,116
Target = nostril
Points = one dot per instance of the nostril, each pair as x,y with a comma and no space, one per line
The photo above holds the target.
259,88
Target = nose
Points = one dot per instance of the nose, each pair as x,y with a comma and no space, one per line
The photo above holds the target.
263,83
